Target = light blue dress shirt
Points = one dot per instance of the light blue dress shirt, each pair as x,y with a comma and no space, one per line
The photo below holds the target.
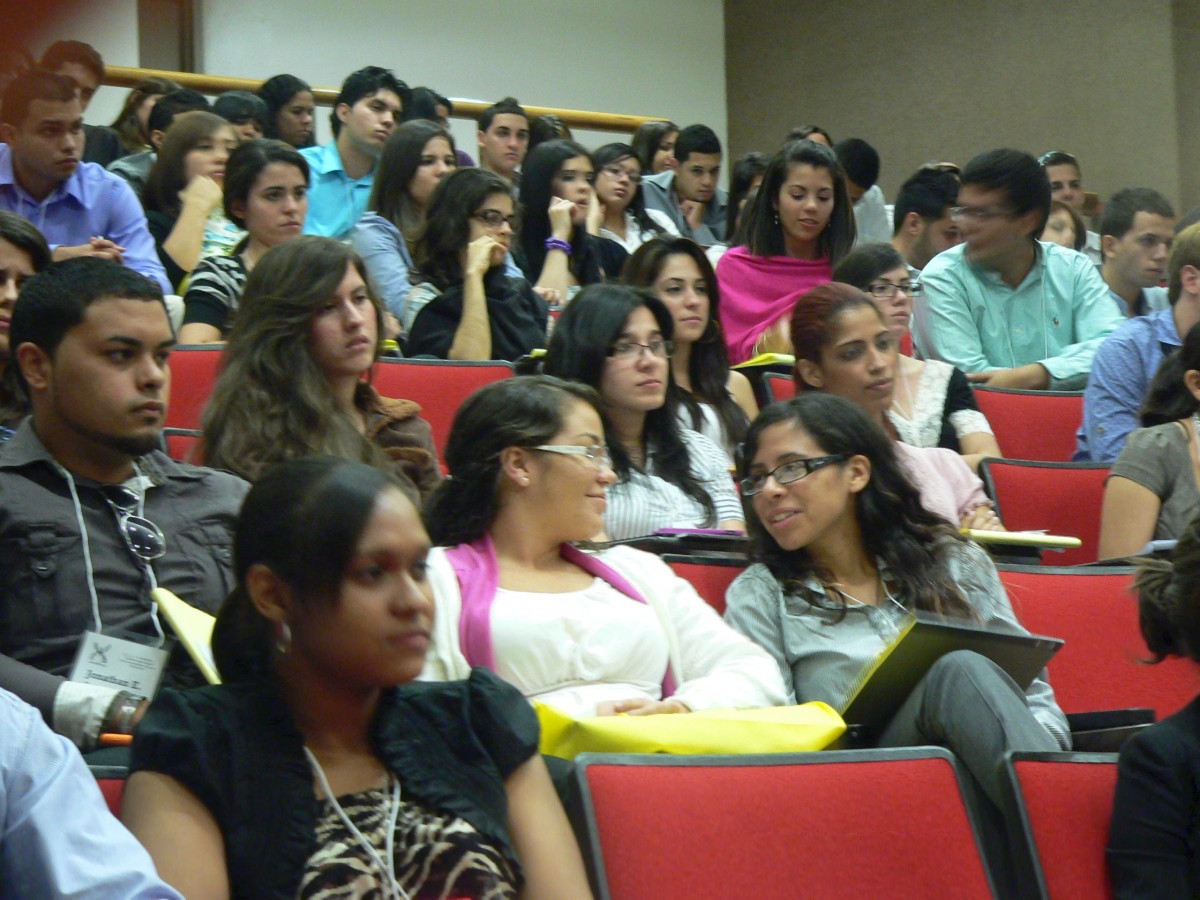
57,836
335,200
1056,316
91,203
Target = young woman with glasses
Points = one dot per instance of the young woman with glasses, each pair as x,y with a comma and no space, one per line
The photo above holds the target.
468,306
617,340
620,213
555,250
589,632
932,402
844,553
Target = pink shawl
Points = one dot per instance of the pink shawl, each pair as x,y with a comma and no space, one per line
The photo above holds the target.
757,291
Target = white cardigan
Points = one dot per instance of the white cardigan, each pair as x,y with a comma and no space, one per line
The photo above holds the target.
713,666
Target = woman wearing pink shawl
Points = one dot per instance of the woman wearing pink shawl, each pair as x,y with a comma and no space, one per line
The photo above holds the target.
799,227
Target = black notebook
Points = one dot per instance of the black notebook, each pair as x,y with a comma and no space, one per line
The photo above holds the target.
886,683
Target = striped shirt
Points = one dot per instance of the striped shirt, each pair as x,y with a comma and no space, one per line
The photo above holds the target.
213,292
643,502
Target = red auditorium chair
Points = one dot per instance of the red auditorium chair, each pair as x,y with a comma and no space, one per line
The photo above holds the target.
710,577
194,369
838,823
778,387
183,445
112,785
1065,802
439,385
1032,424
1100,667
1061,498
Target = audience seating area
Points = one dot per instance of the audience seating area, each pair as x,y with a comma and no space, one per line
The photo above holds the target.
1012,415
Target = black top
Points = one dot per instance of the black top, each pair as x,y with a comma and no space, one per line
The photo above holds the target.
1154,843
235,746
516,314
160,226
959,396
101,145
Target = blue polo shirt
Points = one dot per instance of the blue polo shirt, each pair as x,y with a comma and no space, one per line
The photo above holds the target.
1122,370
335,200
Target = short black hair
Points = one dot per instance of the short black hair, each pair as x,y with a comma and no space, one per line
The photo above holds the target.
860,161
56,299
30,85
73,52
1059,158
163,113
365,83
696,139
928,193
805,132
508,106
1019,175
238,106
1124,205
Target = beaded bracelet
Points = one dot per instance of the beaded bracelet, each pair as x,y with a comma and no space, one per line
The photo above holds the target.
553,243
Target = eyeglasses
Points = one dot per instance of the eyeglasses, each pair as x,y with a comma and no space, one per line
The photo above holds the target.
144,538
494,218
620,172
597,454
978,215
885,290
786,473
627,350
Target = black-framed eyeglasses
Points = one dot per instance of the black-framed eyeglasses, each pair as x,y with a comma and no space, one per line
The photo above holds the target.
627,350
786,473
597,454
885,290
495,218
144,539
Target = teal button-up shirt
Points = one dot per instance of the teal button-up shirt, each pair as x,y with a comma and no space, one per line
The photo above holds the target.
1056,316
335,200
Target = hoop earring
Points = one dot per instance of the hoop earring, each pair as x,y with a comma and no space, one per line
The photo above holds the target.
283,638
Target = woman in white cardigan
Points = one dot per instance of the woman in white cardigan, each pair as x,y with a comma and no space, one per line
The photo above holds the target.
592,633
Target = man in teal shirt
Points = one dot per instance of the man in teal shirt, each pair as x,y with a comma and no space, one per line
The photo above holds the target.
1008,310
343,171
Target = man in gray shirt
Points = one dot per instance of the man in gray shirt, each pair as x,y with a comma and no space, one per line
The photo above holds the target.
92,515
688,194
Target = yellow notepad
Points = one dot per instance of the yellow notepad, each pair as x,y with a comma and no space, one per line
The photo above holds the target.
1024,538
767,359
193,627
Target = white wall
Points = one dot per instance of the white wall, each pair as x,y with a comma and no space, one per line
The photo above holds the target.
665,58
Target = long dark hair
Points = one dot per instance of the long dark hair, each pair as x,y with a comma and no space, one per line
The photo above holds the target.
246,163
708,364
613,153
398,164
896,529
516,412
277,92
127,125
21,233
647,139
168,176
579,351
302,520
867,262
1169,399
1168,601
537,187
748,167
447,228
764,235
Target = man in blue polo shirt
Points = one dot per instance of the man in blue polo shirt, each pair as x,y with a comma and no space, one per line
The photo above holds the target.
80,208
1125,363
343,171
1008,310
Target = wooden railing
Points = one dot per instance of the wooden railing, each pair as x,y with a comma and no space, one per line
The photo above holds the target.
127,76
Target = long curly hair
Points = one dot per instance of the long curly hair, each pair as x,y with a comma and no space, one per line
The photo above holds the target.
272,402
895,527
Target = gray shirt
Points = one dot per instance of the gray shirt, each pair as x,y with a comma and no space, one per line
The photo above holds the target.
820,657
659,194
45,603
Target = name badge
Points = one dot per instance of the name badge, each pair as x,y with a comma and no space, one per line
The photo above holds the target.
110,661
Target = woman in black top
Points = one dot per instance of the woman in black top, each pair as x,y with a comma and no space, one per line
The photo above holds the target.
320,767
468,308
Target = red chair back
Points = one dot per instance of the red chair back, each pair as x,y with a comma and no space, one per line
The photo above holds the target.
726,826
111,780
1061,498
778,387
710,578
1065,801
439,386
1100,667
194,370
1037,425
